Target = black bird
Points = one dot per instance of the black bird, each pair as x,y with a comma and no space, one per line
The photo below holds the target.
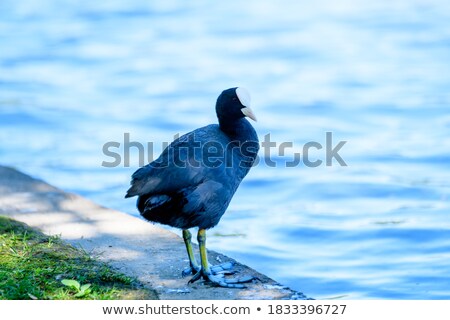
192,182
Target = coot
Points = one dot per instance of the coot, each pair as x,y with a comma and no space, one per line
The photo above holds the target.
192,182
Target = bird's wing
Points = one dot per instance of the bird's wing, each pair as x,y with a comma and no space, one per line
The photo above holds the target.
179,166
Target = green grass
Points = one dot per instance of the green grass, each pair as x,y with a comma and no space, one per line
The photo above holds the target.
32,266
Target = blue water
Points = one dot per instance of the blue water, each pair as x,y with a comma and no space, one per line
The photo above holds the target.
376,74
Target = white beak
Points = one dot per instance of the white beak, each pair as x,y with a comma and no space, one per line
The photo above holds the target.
249,113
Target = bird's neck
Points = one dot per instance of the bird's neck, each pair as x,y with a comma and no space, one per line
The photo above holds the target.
239,129
244,137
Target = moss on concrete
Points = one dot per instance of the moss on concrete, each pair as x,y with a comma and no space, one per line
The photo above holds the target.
32,266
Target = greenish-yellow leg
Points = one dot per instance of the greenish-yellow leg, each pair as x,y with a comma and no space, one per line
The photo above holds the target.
193,265
187,236
201,238
208,273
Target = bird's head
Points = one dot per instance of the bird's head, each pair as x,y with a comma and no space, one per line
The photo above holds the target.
233,104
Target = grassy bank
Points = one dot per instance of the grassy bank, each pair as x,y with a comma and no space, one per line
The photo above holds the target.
36,266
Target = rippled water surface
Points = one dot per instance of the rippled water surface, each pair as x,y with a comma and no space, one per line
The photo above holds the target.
376,74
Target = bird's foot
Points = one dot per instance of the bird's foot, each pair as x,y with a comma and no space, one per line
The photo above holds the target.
223,268
219,280
190,270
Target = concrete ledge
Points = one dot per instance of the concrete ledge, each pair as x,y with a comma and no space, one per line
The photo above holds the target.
153,255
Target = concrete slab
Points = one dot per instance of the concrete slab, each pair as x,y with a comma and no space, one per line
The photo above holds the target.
153,255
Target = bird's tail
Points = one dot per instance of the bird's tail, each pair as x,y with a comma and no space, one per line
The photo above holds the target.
130,193
148,202
138,180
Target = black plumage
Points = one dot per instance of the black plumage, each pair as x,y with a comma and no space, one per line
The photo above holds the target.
193,181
